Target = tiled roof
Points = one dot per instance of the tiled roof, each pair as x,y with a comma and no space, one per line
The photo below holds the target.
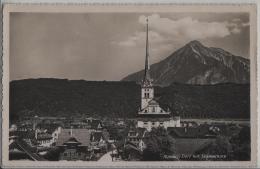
72,141
81,135
131,146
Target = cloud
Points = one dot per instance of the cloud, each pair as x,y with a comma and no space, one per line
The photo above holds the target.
236,25
166,33
245,24
187,27
138,38
236,30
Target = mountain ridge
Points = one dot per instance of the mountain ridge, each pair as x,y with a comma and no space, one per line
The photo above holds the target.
196,64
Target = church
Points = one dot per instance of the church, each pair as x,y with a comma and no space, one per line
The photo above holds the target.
151,115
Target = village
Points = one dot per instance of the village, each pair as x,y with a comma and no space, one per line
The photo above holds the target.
89,139
155,134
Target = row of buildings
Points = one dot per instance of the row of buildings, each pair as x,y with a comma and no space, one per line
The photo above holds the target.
67,143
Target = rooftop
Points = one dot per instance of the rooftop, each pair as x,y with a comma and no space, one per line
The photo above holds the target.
81,135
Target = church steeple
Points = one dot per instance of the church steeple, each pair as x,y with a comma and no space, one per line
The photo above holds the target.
147,79
147,91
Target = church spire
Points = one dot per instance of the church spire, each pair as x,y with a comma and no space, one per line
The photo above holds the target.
147,78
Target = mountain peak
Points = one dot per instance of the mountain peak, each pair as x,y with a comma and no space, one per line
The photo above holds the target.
195,43
197,64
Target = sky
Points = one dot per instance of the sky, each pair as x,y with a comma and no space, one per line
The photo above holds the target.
110,46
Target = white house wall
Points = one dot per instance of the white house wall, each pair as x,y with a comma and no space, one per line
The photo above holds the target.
155,124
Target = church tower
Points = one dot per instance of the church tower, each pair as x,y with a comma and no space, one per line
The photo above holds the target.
147,91
151,114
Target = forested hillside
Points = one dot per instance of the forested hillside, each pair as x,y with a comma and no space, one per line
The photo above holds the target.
61,97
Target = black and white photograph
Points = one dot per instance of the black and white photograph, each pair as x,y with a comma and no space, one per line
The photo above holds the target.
137,86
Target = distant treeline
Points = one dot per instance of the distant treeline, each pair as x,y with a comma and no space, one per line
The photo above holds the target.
61,97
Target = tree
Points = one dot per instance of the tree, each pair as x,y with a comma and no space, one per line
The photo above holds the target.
219,150
152,150
241,144
158,144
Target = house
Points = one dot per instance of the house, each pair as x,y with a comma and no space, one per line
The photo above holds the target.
82,135
55,135
44,139
135,136
47,136
73,150
74,144
151,114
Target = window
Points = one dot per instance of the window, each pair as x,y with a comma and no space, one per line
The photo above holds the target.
161,123
153,123
146,95
145,111
153,109
161,111
145,123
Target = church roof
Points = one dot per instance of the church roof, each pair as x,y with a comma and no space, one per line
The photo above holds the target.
153,102
147,80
